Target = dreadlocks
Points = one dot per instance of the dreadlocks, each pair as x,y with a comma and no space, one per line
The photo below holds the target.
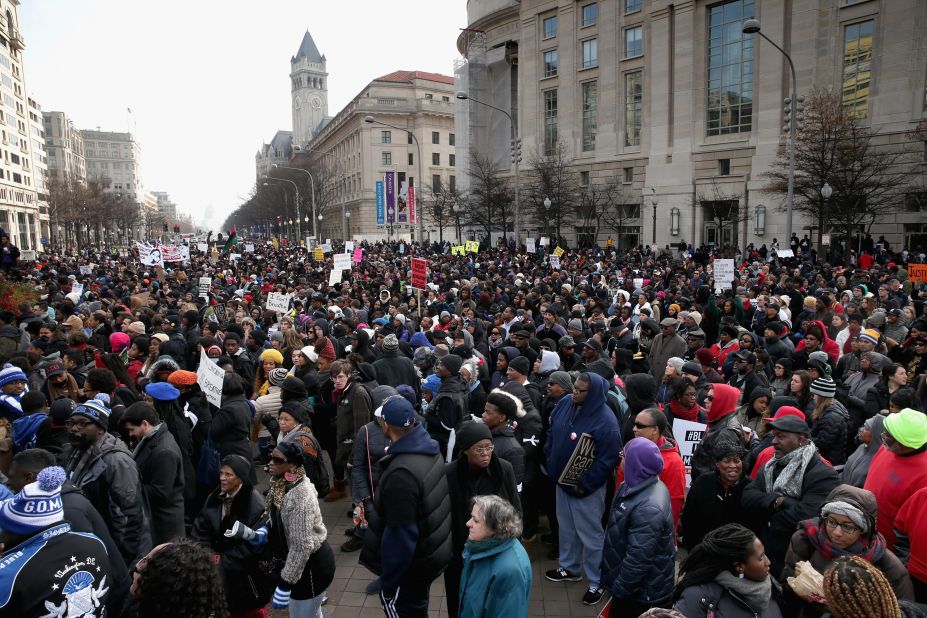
856,589
181,580
717,552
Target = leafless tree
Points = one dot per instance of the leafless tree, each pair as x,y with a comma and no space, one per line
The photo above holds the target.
550,177
490,204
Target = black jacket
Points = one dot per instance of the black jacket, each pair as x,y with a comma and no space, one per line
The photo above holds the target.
829,433
507,448
231,428
161,470
447,410
394,369
709,505
726,429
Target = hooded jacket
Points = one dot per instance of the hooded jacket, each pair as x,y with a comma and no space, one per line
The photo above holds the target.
363,346
829,433
568,422
673,475
641,390
447,410
857,466
828,345
499,378
638,559
394,369
723,426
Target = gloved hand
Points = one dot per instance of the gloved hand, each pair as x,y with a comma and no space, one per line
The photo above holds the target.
281,597
241,531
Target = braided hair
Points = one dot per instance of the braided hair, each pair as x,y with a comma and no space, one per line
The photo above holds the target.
182,580
856,589
718,551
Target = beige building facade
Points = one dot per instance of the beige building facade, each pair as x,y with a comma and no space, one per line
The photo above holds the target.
682,108
65,148
353,154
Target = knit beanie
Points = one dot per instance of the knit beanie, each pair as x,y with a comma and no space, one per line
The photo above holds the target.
908,427
521,365
452,363
37,506
677,363
839,507
431,384
271,354
470,433
824,387
327,351
239,465
390,343
277,376
182,378
871,335
562,379
696,317
11,373
119,342
95,410
705,357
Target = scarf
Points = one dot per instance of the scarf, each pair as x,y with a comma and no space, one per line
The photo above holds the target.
870,550
686,414
279,486
337,392
478,547
792,467
755,594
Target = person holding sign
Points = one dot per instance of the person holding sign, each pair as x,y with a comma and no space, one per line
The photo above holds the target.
583,446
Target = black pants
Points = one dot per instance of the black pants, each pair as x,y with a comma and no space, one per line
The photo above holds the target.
549,499
920,590
452,585
628,608
411,600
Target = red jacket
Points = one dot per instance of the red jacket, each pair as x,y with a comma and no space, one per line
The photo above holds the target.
828,345
893,480
673,476
911,521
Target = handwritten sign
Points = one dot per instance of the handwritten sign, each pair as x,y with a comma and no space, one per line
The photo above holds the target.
529,245
335,276
278,302
419,273
688,434
555,261
327,247
472,246
318,254
784,253
210,376
348,246
917,272
723,273
27,256
559,251
358,255
342,261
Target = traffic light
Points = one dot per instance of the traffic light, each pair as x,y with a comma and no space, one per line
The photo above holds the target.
176,229
515,149
165,225
799,113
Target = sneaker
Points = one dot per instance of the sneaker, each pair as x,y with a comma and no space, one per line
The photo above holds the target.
593,596
349,532
352,544
562,575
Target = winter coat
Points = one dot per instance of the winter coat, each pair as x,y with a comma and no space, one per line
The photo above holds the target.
709,505
160,468
10,337
723,426
394,369
893,480
508,448
829,433
714,600
673,476
464,484
639,557
369,448
354,411
109,478
446,412
268,405
231,427
663,348
495,582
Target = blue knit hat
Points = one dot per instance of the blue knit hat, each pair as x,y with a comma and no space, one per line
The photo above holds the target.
95,410
162,391
11,373
37,506
431,384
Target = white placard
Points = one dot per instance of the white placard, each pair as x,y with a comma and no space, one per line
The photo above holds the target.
202,247
210,376
78,288
784,253
278,302
343,262
554,261
544,241
529,245
348,246
85,269
27,256
688,434
723,271
205,284
150,256
327,247
825,239
234,256
249,248
334,277
638,283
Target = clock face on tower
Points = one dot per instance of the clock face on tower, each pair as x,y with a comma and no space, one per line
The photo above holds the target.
316,102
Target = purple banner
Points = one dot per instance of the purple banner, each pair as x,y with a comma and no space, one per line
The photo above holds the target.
402,204
390,198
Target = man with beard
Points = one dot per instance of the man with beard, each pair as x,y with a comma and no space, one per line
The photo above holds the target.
101,465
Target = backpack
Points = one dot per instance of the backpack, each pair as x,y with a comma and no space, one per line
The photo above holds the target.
313,462
618,402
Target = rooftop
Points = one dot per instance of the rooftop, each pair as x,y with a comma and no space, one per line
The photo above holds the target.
407,77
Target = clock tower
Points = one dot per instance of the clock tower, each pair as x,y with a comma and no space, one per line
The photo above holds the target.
309,88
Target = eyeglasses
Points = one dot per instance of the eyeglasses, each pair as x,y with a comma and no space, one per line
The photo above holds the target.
483,450
78,424
709,397
833,524
642,425
279,460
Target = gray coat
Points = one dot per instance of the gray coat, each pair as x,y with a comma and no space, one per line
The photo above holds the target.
663,348
698,601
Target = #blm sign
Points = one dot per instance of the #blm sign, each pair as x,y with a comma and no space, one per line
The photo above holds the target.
688,434
205,284
210,376
580,461
278,302
419,273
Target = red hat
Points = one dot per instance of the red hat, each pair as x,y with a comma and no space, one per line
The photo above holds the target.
328,351
786,411
182,378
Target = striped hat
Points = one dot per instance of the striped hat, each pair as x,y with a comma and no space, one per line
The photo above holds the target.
824,386
11,373
95,410
37,506
871,335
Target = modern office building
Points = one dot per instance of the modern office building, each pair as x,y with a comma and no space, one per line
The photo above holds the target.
674,101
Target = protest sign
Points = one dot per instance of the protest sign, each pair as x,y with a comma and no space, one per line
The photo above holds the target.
210,376
278,302
784,253
544,241
555,261
638,283
342,262
86,269
559,251
327,247
234,256
348,246
149,256
580,462
205,284
78,288
458,250
472,246
202,247
688,434
171,253
358,255
917,272
335,276
318,254
27,256
723,274
419,273
249,248
529,245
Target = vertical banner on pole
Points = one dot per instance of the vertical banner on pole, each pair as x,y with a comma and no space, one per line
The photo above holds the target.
381,203
390,198
413,214
402,201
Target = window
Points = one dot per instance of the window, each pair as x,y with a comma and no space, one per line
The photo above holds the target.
452,160
584,179
550,121
429,96
632,6
633,42
916,201
628,175
436,158
550,63
435,137
724,167
408,138
452,183
386,137
730,69
590,114
590,14
857,67
590,53
445,99
633,99
436,183
450,139
386,158
550,27
411,159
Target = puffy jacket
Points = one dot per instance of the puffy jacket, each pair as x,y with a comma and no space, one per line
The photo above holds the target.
507,447
638,560
829,433
723,426
369,448
160,468
713,599
495,582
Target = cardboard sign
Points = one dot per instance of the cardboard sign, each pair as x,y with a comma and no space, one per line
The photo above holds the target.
249,248
278,302
419,273
580,462
472,246
342,261
205,285
529,245
559,251
86,269
358,255
688,434
917,272
210,377
554,261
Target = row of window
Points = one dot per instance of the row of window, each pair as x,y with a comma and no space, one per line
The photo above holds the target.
589,16
589,50
386,158
386,137
437,186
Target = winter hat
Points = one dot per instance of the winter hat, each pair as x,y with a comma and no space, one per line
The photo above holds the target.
470,433
296,410
692,368
521,365
431,384
271,354
856,515
871,335
642,460
310,353
677,363
119,342
294,385
397,411
390,344
137,328
452,363
908,427
37,506
507,403
819,360
74,323
277,376
824,387
162,391
162,337
575,324
327,351
562,379
550,361
404,390
54,369
239,465
182,378
705,357
441,351
696,317
11,373
95,410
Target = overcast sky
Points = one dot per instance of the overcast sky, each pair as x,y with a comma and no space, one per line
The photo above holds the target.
208,80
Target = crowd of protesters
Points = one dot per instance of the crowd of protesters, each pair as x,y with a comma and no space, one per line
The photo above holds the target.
500,405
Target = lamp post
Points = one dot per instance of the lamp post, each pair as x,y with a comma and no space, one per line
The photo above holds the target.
547,205
311,193
516,153
419,193
457,217
826,192
752,26
653,202
344,222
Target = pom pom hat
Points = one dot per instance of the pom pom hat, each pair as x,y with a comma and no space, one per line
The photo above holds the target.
37,506
11,373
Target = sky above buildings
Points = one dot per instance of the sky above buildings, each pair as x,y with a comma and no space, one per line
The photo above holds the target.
208,81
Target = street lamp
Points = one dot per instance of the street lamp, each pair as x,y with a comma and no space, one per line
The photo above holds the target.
311,193
826,191
347,220
752,26
653,202
547,205
420,211
516,152
457,217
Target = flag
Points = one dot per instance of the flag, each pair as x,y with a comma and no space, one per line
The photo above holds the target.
232,240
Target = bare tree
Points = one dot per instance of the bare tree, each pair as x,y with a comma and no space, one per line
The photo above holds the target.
551,178
606,203
445,206
726,209
490,203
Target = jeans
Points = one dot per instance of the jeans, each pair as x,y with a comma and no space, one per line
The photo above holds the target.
581,532
307,608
